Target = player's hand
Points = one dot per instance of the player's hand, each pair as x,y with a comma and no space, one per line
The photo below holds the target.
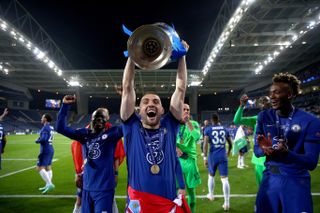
185,44
265,144
179,152
205,163
243,100
118,89
5,112
182,192
79,180
69,99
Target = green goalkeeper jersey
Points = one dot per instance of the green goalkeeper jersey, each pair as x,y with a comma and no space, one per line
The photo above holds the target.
187,140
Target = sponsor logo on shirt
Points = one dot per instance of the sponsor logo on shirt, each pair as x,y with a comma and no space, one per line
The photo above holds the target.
94,151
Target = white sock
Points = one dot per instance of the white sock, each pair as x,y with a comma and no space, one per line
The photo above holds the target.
114,206
45,176
239,160
242,160
210,184
50,175
77,209
226,190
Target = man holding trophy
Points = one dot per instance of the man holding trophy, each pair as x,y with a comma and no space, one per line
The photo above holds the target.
150,137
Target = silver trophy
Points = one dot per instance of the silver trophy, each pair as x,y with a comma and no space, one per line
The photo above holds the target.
152,46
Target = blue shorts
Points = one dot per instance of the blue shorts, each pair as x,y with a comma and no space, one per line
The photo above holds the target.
244,150
220,163
45,159
97,201
284,193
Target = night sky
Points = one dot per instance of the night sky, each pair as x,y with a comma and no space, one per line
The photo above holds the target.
90,35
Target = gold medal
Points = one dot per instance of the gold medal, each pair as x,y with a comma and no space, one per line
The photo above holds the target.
181,141
155,169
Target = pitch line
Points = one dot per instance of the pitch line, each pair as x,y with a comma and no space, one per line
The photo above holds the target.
124,197
21,170
32,143
23,159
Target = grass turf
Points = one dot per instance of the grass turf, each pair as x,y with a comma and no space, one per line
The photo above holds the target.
21,153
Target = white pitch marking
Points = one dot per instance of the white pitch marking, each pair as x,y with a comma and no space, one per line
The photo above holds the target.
21,170
123,196
23,159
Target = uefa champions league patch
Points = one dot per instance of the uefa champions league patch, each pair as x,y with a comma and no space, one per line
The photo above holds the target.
134,206
296,128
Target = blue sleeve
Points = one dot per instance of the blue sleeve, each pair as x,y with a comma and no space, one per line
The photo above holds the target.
227,133
309,159
179,174
118,133
259,131
62,128
205,131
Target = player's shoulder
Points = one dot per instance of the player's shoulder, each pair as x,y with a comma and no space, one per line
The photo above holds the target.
267,114
306,116
194,123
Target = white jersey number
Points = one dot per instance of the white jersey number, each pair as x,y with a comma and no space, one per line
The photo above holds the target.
218,137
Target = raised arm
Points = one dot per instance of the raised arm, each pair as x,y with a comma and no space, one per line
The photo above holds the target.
128,98
177,98
61,124
5,112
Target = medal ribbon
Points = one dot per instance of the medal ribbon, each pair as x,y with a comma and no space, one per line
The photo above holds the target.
148,141
284,134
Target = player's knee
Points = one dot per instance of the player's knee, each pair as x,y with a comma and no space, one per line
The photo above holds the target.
224,179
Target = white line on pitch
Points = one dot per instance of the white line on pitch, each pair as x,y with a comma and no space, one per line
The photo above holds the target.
24,159
32,143
123,196
21,170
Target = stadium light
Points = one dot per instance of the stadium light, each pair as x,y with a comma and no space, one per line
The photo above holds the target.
195,83
295,37
74,83
233,22
38,52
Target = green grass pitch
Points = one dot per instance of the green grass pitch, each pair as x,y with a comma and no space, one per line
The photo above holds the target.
19,181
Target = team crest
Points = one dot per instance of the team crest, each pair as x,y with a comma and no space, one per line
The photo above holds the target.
296,128
104,136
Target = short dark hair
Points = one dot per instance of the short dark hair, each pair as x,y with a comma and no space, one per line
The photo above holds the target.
289,79
48,117
215,117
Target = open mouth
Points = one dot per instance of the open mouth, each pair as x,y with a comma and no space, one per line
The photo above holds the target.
151,113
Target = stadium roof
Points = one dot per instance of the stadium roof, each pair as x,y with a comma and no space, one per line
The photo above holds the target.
249,41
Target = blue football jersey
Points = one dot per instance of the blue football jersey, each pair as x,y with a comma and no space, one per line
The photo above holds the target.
46,139
2,134
217,139
232,132
98,151
162,145
302,136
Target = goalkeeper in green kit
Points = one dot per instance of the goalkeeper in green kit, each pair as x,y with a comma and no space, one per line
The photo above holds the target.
188,136
264,103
